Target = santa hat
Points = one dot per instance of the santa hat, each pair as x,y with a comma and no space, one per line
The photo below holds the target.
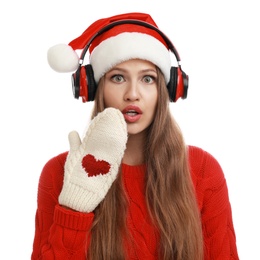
118,44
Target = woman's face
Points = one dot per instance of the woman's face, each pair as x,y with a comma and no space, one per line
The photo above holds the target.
131,87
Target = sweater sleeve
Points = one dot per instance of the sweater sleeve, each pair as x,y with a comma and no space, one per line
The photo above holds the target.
59,233
213,199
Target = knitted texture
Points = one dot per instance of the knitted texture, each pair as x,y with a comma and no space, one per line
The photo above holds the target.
61,233
92,165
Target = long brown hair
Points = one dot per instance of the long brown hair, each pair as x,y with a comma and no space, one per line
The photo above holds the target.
170,194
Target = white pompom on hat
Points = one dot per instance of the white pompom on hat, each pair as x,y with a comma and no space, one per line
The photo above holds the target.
62,58
118,44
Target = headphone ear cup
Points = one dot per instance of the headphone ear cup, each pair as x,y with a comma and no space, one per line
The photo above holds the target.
91,84
172,85
178,84
75,81
83,83
182,84
185,79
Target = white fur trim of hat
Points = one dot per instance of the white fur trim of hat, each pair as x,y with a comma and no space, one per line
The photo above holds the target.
126,46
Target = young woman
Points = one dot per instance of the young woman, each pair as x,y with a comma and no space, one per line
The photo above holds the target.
131,188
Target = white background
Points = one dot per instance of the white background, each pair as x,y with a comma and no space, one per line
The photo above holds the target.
218,42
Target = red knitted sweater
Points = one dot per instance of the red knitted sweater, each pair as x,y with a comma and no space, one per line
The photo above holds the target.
61,233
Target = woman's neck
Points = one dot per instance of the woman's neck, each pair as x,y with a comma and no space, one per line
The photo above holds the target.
134,153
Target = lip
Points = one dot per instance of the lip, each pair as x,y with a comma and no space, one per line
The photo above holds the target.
132,118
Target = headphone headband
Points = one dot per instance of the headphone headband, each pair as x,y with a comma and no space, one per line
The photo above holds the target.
131,21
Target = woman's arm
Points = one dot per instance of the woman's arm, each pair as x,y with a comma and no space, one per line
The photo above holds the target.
216,213
60,233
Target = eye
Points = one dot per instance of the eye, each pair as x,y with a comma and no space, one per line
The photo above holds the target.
149,79
117,78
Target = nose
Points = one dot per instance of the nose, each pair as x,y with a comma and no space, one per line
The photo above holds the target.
132,92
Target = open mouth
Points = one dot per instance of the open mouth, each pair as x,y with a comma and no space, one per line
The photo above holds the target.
132,114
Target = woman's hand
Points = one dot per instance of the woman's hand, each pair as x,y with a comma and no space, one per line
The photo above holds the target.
92,165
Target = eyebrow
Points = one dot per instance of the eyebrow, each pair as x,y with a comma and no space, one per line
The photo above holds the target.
125,70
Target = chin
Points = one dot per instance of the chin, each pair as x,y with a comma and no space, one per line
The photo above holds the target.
134,130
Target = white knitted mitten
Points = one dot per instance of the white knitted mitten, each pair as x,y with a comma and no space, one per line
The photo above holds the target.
92,165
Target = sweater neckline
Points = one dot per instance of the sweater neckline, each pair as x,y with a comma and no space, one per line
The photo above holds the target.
134,171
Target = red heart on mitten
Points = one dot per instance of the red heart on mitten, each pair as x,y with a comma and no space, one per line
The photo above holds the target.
95,167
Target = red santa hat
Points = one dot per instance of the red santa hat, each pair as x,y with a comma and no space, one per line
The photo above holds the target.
118,44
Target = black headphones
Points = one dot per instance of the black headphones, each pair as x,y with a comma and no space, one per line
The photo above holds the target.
83,82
